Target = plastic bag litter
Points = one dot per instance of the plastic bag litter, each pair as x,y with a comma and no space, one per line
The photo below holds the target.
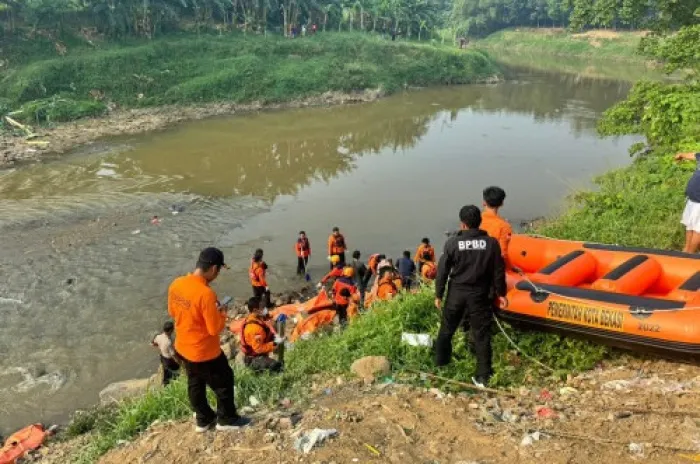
530,438
636,448
307,441
417,339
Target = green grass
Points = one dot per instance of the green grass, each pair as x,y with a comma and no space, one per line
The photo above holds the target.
236,68
639,205
378,332
622,47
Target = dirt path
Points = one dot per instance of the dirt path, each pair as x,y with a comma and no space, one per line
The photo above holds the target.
64,137
623,410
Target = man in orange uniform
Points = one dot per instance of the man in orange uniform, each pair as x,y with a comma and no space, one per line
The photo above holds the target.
387,288
493,224
336,271
198,321
374,261
344,290
257,273
303,249
337,245
424,254
429,272
258,340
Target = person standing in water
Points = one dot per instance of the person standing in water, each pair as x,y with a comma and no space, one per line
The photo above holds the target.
303,249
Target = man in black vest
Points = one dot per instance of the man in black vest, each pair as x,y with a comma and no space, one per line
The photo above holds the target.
474,265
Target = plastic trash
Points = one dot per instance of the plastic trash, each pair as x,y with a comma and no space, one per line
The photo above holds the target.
136,232
544,412
307,441
545,395
530,438
566,391
253,401
636,448
417,339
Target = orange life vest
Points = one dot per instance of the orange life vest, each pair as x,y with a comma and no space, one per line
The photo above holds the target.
387,286
245,346
256,272
429,271
372,263
303,248
341,284
336,244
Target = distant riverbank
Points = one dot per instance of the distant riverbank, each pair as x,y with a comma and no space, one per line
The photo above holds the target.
597,44
215,74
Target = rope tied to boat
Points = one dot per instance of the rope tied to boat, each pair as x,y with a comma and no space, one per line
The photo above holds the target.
638,310
519,350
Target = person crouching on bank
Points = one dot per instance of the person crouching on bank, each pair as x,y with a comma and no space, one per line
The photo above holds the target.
258,340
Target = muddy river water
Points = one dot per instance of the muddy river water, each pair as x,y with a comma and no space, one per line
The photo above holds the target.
85,273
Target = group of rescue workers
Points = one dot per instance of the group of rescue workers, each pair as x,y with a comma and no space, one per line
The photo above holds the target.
473,261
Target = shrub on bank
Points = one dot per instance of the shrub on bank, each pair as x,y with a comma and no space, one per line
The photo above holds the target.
377,332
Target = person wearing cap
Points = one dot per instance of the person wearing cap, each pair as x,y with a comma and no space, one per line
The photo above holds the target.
473,264
164,342
258,340
337,246
199,318
344,290
336,271
258,277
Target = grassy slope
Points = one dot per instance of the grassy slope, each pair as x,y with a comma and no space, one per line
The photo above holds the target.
610,45
376,333
234,68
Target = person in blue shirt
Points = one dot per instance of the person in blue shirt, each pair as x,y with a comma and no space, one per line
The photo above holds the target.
691,213
406,268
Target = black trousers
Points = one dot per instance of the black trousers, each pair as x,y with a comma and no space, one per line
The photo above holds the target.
217,375
466,306
342,259
260,292
302,264
171,369
263,363
342,311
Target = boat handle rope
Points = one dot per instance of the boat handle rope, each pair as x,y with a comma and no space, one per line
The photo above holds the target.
519,350
638,310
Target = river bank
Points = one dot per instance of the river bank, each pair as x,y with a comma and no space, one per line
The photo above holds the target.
209,75
607,45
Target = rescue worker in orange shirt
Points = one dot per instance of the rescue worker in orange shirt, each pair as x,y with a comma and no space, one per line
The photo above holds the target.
387,287
429,271
374,261
257,273
199,318
424,253
344,290
303,249
337,245
493,224
336,271
258,340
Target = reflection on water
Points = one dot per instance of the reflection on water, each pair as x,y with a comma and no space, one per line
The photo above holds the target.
85,273
274,154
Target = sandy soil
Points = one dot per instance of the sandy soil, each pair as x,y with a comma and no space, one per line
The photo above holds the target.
64,137
634,411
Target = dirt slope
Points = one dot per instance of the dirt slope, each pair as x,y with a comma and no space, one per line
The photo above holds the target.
642,402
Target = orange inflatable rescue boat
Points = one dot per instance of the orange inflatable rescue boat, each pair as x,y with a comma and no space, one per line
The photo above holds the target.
22,441
637,298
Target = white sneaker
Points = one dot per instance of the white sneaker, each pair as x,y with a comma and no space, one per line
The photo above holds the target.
200,428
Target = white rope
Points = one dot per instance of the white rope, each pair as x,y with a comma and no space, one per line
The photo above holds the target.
519,350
